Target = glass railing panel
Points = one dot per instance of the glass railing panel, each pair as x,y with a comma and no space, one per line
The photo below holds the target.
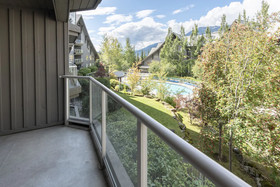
97,109
167,168
79,98
122,143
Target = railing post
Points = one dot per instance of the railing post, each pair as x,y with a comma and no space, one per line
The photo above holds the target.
142,159
67,105
90,103
103,128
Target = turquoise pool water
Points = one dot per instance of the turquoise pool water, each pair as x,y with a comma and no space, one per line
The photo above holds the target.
175,89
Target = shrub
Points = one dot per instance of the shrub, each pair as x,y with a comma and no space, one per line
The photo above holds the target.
93,68
101,72
114,83
84,71
104,80
162,91
170,100
117,88
147,85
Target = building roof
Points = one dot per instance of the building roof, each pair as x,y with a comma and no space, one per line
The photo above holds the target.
82,24
154,50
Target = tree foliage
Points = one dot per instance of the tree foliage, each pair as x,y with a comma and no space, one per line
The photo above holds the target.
133,77
242,69
129,55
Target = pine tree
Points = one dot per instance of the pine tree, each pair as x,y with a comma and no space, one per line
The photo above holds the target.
142,55
224,26
208,34
262,17
129,54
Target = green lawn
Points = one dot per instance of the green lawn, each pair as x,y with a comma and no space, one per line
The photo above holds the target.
154,109
164,116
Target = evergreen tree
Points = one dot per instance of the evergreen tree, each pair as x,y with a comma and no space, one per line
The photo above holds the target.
129,54
137,57
142,55
208,34
263,17
224,26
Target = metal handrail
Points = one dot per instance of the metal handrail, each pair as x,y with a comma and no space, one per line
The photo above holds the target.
211,169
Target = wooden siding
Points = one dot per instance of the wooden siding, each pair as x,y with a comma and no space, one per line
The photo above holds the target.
33,53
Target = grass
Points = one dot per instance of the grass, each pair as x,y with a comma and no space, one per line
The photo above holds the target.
164,116
154,109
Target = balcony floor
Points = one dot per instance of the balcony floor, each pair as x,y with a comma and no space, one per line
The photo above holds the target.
55,156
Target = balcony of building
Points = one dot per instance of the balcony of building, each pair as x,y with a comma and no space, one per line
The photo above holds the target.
78,61
55,156
111,138
78,51
79,43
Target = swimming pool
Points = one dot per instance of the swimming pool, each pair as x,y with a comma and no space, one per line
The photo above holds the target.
176,88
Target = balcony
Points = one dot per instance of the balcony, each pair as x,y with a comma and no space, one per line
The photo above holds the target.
136,150
79,43
78,51
55,156
130,147
78,61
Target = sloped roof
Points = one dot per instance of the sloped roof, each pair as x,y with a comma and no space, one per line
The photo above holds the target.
154,50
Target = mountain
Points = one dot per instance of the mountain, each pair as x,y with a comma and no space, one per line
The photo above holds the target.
201,30
146,49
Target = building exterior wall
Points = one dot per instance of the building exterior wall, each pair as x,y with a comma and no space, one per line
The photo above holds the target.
86,56
33,54
154,57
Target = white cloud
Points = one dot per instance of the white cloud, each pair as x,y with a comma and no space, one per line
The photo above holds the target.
160,16
118,18
144,13
105,30
213,17
99,11
141,33
183,9
91,31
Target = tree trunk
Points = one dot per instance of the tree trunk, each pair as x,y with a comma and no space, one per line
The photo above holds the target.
230,151
220,142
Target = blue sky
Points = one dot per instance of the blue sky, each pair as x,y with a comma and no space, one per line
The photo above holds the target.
146,22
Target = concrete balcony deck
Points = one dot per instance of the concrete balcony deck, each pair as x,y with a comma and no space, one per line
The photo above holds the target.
55,156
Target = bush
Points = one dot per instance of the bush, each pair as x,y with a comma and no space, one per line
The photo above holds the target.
117,88
170,100
104,80
114,83
93,68
101,72
84,71
147,85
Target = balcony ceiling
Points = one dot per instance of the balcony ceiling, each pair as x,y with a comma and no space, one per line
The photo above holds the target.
60,7
78,5
33,4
